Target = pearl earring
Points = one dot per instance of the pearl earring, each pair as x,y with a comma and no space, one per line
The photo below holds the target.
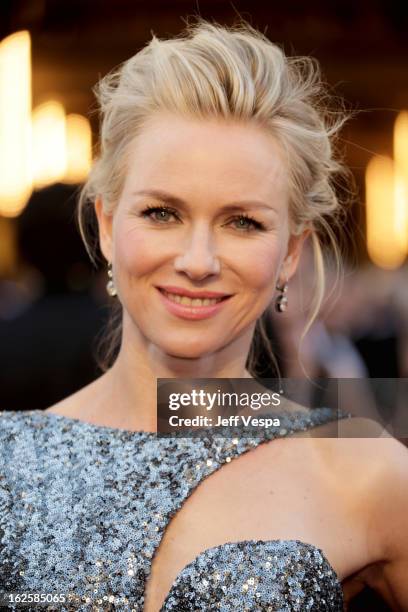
110,286
281,303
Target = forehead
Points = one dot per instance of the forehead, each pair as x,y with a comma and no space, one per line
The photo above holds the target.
241,158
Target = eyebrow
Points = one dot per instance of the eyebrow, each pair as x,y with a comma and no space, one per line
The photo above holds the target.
233,206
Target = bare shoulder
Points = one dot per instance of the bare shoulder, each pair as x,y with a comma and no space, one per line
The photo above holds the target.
368,471
359,447
364,461
77,405
69,406
91,404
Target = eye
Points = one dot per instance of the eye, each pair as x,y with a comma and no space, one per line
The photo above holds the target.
247,223
163,211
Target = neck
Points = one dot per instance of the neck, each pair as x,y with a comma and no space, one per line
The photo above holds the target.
130,386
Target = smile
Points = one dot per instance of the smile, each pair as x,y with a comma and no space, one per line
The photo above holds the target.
183,299
191,308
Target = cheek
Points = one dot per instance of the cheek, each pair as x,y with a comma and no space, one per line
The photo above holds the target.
259,265
135,252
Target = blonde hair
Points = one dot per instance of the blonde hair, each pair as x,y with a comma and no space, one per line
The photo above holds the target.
236,73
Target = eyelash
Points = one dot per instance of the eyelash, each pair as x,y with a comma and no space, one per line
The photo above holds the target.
149,210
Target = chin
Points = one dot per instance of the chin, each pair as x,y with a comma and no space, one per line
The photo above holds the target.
187,350
186,353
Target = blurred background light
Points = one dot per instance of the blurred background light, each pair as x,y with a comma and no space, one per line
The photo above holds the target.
385,245
401,177
15,123
49,143
79,148
8,247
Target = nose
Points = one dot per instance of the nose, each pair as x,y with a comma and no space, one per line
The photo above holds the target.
198,258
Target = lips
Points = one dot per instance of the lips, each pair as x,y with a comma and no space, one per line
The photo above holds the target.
184,307
180,291
187,301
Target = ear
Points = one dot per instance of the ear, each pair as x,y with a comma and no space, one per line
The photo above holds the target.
294,251
105,229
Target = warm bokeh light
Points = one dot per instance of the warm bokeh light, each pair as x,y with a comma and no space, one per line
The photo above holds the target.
401,176
49,143
8,247
79,148
384,243
15,123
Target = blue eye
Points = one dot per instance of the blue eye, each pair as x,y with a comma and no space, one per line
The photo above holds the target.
245,223
252,223
163,210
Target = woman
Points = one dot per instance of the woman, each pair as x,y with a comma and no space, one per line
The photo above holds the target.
216,163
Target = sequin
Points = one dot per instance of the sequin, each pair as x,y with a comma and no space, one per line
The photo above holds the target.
83,509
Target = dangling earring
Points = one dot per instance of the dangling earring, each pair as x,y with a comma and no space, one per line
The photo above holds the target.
110,286
281,303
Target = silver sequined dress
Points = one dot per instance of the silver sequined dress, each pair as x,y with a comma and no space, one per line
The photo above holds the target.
84,507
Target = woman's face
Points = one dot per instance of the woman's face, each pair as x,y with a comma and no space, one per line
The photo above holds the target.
201,179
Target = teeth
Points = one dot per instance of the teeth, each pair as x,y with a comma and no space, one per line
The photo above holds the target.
186,301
